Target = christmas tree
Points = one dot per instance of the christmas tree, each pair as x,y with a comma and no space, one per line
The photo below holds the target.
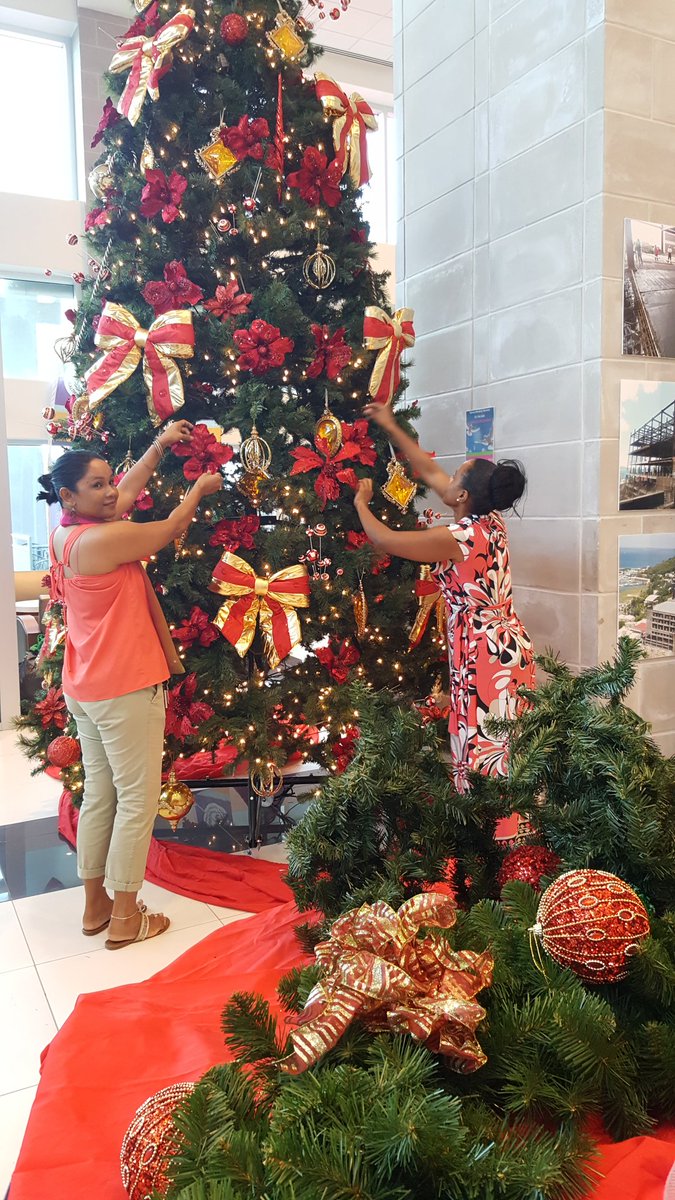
230,274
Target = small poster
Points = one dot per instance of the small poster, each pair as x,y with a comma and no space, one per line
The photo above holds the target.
647,446
649,289
480,433
647,591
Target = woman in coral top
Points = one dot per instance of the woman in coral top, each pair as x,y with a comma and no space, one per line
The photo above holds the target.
489,652
118,654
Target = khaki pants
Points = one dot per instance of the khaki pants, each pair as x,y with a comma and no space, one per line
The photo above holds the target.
122,741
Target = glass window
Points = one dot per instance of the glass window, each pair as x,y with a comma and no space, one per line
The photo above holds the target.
379,196
32,520
37,130
31,319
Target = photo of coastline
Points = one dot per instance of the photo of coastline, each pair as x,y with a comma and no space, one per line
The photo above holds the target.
647,591
647,445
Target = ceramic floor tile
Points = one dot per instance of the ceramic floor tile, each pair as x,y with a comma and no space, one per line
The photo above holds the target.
52,923
14,952
26,1026
227,915
64,979
22,797
14,1110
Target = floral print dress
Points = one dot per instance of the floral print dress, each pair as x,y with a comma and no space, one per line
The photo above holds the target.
489,652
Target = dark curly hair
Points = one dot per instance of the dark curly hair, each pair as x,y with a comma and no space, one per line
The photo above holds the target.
494,485
67,472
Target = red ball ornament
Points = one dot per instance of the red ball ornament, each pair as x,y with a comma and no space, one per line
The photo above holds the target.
78,277
64,752
52,428
529,864
72,239
593,923
150,1141
234,29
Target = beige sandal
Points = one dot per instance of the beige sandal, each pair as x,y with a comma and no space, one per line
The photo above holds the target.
99,928
143,934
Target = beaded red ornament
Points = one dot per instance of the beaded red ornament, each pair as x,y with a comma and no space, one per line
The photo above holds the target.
64,752
528,864
591,922
149,1141
234,29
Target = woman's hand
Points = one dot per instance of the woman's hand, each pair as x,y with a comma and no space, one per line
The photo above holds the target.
209,483
381,414
176,431
364,493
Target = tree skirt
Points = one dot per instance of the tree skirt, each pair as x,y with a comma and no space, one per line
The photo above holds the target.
169,1028
230,880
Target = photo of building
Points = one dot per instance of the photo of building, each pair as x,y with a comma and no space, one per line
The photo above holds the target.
647,445
647,591
649,289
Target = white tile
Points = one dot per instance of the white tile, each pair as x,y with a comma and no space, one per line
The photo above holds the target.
227,916
521,191
442,361
441,297
14,1111
533,337
433,35
551,619
26,1027
545,258
440,164
440,230
442,423
14,952
532,409
22,797
67,978
439,97
537,106
529,34
52,923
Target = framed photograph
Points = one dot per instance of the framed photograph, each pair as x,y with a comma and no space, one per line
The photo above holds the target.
480,433
648,289
647,445
647,591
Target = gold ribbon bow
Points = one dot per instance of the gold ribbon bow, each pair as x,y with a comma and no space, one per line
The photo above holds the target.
170,336
272,600
147,59
353,116
391,336
376,968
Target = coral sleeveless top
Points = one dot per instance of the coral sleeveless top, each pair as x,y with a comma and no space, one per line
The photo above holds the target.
112,645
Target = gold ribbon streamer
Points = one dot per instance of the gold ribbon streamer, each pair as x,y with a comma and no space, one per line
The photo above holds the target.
352,116
378,969
147,59
391,336
271,601
430,600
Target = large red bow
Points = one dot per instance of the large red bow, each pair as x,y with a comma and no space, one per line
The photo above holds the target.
147,60
391,336
353,117
170,336
274,600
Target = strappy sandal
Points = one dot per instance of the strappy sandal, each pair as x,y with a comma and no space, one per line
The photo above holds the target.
143,934
99,928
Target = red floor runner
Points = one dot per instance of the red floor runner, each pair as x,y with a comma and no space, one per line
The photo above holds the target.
231,880
120,1046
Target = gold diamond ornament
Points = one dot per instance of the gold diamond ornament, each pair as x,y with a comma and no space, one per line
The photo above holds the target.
398,488
216,159
285,37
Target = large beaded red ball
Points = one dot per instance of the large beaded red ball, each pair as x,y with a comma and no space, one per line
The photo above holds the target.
64,752
149,1142
593,923
234,29
528,864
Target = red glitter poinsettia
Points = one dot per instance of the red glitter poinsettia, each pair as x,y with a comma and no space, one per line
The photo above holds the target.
143,501
196,628
162,194
109,117
355,540
96,218
184,714
430,710
338,658
144,23
317,181
345,748
202,453
331,353
261,347
174,291
52,709
357,445
245,139
233,533
229,301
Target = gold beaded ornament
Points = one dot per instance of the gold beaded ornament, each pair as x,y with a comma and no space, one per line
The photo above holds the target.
150,1141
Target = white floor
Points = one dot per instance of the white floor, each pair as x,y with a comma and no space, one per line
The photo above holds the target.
46,963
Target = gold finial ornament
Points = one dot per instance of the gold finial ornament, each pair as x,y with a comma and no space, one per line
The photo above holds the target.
328,431
319,268
256,458
175,800
360,606
266,781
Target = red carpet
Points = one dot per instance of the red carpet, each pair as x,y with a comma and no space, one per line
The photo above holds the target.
231,880
122,1045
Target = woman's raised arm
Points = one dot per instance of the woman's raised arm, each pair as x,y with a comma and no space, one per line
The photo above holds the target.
423,545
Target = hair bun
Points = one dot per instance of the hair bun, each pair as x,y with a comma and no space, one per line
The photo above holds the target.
49,492
507,483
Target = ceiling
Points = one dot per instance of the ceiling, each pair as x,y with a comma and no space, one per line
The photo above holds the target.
364,29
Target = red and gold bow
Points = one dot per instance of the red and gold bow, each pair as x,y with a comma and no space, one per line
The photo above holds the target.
352,118
170,336
273,599
376,968
147,60
391,336
429,599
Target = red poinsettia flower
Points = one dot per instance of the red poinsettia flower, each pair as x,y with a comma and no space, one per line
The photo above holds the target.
261,347
197,628
234,533
162,194
245,139
345,748
96,218
356,445
355,540
317,181
338,658
109,117
144,23
202,453
229,301
359,236
175,291
184,714
331,354
52,710
430,710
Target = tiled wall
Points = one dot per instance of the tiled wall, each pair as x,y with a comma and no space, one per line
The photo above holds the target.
512,159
